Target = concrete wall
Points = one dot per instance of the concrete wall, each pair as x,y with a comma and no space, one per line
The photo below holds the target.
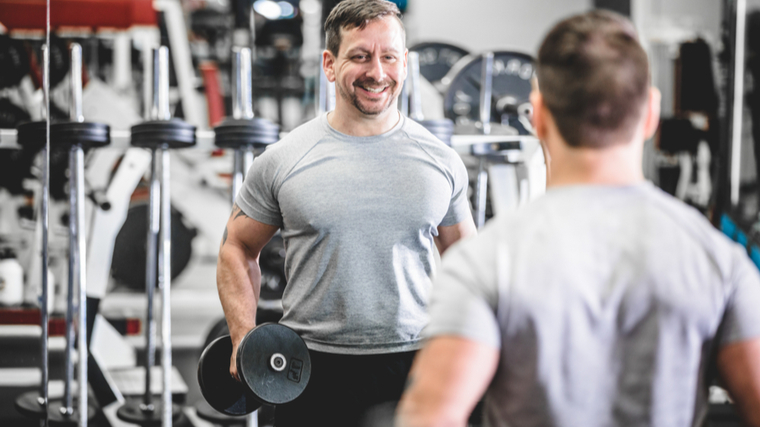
479,25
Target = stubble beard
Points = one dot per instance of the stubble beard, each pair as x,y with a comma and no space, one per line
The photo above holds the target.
354,99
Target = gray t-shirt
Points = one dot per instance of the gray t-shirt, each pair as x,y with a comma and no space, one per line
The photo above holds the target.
605,303
358,216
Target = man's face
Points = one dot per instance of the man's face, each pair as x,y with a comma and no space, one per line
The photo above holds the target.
370,69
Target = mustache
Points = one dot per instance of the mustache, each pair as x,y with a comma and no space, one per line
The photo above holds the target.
373,82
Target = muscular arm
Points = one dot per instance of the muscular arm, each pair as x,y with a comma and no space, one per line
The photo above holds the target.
739,367
238,277
448,378
448,235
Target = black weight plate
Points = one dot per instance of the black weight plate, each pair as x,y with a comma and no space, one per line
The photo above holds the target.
131,412
256,123
511,85
14,61
224,393
206,412
31,135
173,133
56,418
254,361
28,405
89,135
436,59
256,132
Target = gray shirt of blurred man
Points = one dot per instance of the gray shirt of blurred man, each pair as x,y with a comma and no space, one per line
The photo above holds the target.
606,301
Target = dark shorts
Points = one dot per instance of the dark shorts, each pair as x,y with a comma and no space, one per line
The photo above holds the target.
348,390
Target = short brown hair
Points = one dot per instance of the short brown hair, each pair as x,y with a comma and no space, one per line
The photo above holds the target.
594,78
350,14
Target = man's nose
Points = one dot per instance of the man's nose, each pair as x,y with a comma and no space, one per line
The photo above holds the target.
376,70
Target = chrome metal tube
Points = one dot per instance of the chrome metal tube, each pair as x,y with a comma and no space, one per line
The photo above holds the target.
68,404
737,109
154,215
81,275
242,92
160,107
238,171
45,214
486,80
164,283
481,194
415,103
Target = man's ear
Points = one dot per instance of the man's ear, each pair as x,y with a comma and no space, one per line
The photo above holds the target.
328,62
538,119
652,119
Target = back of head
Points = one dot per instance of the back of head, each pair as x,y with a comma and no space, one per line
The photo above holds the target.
594,78
349,14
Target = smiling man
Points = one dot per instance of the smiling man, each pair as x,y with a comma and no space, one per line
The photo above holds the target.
362,196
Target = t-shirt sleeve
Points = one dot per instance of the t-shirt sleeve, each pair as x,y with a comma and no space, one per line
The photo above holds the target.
257,196
465,293
459,206
741,320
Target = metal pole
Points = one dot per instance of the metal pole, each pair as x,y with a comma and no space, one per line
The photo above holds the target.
75,106
81,257
738,105
481,194
242,94
164,283
45,213
238,172
150,277
322,89
68,406
486,80
415,104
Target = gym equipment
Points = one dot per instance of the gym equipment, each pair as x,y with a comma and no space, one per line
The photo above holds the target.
436,59
441,128
243,133
35,404
510,92
273,364
75,135
159,134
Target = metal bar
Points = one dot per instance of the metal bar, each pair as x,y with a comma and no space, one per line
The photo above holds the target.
415,103
164,283
68,405
237,173
242,93
81,257
737,112
404,98
150,275
148,82
322,89
247,161
481,194
486,80
45,213
75,106
160,109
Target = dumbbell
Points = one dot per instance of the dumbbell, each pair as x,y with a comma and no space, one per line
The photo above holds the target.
441,128
273,364
159,135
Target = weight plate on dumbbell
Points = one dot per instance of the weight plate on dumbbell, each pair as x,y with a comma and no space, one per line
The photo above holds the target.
436,59
28,405
88,135
256,132
224,393
274,363
173,133
511,87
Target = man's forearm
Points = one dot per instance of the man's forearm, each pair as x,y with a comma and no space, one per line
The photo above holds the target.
238,283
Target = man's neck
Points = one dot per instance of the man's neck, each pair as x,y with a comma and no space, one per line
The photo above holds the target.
352,122
616,165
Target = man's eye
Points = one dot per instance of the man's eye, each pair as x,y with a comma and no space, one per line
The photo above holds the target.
360,57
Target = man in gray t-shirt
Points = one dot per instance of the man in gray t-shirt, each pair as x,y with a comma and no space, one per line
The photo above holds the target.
362,196
605,302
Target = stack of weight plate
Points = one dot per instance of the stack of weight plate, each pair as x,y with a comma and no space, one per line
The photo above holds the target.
441,128
236,133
